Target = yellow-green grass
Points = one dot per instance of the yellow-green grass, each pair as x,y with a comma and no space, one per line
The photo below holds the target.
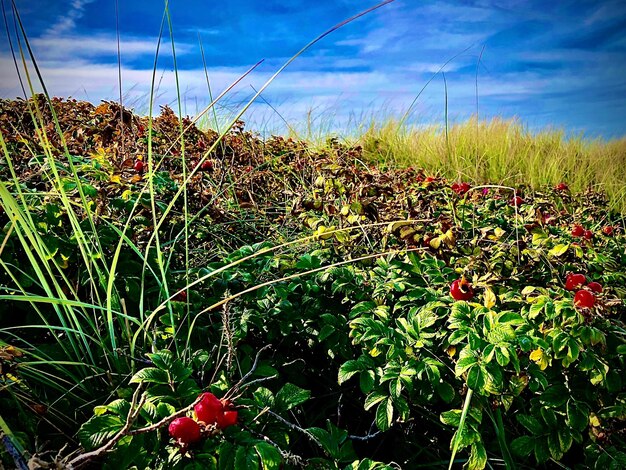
504,152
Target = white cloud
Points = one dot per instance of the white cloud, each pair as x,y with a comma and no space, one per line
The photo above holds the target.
68,21
69,47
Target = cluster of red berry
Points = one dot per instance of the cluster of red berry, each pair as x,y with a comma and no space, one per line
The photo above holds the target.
579,231
585,295
211,413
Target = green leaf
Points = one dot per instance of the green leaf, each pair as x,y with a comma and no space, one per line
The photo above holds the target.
451,418
577,415
162,359
549,417
478,457
565,438
466,360
555,446
554,396
99,429
270,456
291,395
366,381
373,398
384,414
558,250
348,369
445,391
523,446
531,423
325,332
264,397
542,451
150,375
476,378
246,458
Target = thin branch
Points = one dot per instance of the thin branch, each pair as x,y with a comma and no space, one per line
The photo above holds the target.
133,413
238,385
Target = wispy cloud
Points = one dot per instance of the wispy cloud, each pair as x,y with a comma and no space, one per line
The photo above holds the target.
67,21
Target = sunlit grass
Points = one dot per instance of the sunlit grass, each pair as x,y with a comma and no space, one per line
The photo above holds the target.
504,152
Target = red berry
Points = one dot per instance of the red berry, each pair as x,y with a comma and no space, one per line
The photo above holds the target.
181,296
578,231
562,187
185,430
588,234
229,418
138,166
209,409
516,201
460,188
595,286
461,289
206,165
607,230
584,299
575,281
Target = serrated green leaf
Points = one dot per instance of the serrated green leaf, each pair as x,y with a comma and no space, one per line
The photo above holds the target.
478,457
523,446
384,414
555,446
542,451
348,369
532,424
291,395
270,456
565,438
99,429
445,391
366,381
451,418
558,250
150,375
577,415
373,398
246,458
476,378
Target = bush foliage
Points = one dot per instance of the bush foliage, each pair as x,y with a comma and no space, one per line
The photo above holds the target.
308,289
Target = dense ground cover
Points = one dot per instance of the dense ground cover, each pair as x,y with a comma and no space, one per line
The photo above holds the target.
348,313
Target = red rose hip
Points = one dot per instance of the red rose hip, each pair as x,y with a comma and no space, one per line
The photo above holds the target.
584,299
607,230
461,289
578,231
460,188
209,409
517,201
595,286
575,281
185,430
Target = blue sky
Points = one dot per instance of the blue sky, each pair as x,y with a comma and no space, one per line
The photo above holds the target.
559,63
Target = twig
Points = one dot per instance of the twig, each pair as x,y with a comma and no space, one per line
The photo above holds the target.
238,385
295,427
